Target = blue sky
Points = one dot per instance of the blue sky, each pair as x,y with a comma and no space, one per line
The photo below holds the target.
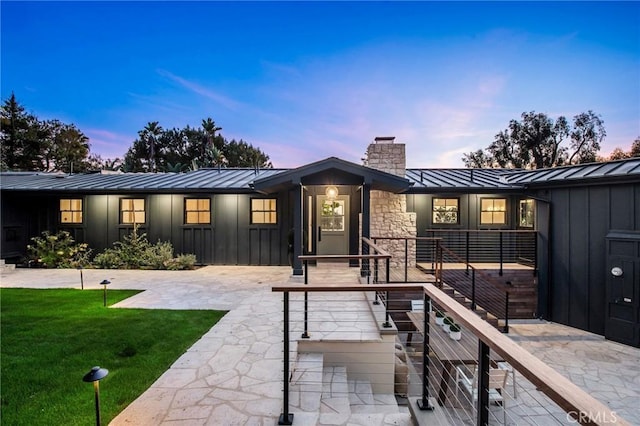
304,81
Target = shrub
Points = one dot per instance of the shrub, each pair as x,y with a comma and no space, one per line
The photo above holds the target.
108,259
58,251
136,252
182,262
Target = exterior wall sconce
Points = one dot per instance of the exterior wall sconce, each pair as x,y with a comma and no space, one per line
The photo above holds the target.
104,283
95,375
617,271
331,192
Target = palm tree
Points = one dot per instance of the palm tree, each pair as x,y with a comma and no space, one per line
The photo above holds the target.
150,135
210,129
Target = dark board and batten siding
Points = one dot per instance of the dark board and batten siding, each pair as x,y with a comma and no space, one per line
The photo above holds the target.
579,220
230,239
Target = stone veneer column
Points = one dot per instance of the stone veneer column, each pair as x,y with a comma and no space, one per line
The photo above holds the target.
389,217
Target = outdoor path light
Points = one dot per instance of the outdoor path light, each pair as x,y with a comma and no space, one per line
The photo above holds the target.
81,278
95,375
104,284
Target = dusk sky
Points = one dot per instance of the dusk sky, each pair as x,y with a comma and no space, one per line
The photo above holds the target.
304,81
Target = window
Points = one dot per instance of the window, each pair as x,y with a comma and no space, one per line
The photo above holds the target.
263,210
197,210
71,210
445,210
527,213
332,218
493,211
132,210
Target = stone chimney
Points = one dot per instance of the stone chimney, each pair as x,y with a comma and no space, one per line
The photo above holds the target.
389,216
386,155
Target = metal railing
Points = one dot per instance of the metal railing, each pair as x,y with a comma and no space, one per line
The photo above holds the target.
491,246
531,391
479,286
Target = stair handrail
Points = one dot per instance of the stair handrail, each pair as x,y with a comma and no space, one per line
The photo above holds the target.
576,402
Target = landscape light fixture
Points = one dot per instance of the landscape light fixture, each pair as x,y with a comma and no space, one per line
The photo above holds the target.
95,375
331,192
104,284
81,278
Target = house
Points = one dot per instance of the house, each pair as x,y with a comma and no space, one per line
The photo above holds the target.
585,220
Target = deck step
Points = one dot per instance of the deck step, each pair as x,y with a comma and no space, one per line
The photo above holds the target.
306,382
335,406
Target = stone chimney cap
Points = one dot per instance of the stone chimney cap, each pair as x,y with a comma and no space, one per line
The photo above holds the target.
385,139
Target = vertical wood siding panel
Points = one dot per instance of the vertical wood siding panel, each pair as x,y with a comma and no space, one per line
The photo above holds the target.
579,257
560,296
243,214
622,204
599,213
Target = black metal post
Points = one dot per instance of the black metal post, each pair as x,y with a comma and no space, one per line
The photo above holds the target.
81,280
467,251
473,289
104,284
423,403
375,271
286,418
388,280
483,383
505,329
305,333
386,323
501,260
535,253
406,260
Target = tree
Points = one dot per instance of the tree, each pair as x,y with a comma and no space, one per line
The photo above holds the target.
242,154
32,144
588,132
536,142
635,148
617,154
150,135
20,134
67,148
196,147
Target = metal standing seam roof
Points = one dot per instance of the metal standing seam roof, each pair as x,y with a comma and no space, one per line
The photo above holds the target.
459,179
237,179
628,168
202,179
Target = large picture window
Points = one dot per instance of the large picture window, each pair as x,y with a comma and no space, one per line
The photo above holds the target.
263,210
493,211
197,211
132,210
445,211
71,210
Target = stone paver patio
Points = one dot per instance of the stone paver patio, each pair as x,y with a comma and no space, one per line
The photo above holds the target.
233,374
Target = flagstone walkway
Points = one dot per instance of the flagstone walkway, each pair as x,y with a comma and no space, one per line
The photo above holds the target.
233,374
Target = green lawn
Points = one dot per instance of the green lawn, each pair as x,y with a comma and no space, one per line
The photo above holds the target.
51,338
